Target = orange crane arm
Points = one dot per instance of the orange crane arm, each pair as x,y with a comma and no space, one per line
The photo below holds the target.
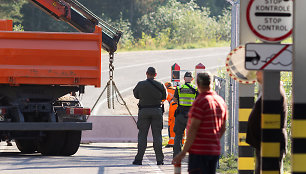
82,19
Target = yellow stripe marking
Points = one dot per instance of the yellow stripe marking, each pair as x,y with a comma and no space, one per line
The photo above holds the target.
269,172
271,121
244,114
298,128
241,140
270,149
246,163
298,162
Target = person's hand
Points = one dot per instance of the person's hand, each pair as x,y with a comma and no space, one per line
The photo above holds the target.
178,158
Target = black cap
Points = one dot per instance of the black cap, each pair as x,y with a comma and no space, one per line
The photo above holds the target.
151,70
188,74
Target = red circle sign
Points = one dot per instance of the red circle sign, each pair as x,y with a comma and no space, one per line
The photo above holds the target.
270,20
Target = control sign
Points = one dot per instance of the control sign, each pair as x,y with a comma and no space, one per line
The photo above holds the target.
268,57
270,20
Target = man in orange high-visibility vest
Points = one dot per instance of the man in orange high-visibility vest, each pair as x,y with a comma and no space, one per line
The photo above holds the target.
172,108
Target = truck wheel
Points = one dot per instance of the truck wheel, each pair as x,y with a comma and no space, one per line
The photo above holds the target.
52,143
72,143
26,146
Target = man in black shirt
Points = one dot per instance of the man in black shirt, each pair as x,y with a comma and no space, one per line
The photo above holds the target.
150,94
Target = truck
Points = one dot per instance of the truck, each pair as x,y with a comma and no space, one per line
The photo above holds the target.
41,73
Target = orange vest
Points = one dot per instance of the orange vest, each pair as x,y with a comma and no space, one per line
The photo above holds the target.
170,96
171,119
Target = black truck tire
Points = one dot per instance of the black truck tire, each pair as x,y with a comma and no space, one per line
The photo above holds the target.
26,146
52,143
72,143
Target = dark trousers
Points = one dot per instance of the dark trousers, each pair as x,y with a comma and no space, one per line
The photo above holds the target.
202,164
179,128
150,117
258,161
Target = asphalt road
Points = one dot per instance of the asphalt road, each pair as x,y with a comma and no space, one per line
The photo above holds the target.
110,158
130,67
96,158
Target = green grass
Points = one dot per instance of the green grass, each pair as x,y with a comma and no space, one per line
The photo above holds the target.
165,140
152,46
287,163
228,164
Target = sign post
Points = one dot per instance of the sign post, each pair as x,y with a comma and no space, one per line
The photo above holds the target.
270,21
246,101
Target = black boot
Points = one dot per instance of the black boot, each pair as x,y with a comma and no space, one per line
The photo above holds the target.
137,162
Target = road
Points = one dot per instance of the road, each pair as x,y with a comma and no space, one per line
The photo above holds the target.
97,158
130,67
110,158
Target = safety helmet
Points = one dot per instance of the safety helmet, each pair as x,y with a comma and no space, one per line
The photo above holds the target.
168,84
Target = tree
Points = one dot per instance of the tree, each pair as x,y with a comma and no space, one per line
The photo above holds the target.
215,6
36,20
10,9
127,12
185,23
116,10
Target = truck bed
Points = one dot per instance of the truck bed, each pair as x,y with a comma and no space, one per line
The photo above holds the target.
43,58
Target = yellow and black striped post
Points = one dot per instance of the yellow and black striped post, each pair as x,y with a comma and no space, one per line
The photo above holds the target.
271,124
246,162
299,139
298,126
246,152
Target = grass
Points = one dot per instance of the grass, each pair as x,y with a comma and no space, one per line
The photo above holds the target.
157,46
229,164
202,44
165,140
287,163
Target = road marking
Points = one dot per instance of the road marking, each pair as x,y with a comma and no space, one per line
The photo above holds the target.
94,111
99,105
155,168
166,60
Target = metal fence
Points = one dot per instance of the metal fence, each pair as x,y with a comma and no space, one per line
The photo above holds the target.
231,135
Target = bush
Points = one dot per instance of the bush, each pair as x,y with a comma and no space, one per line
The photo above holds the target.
182,25
18,27
127,40
228,164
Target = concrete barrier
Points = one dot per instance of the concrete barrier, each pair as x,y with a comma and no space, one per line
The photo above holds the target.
118,129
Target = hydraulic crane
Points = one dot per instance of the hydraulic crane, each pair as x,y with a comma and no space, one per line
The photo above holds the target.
41,72
82,19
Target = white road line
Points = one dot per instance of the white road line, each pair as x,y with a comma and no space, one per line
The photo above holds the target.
155,168
99,105
166,60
